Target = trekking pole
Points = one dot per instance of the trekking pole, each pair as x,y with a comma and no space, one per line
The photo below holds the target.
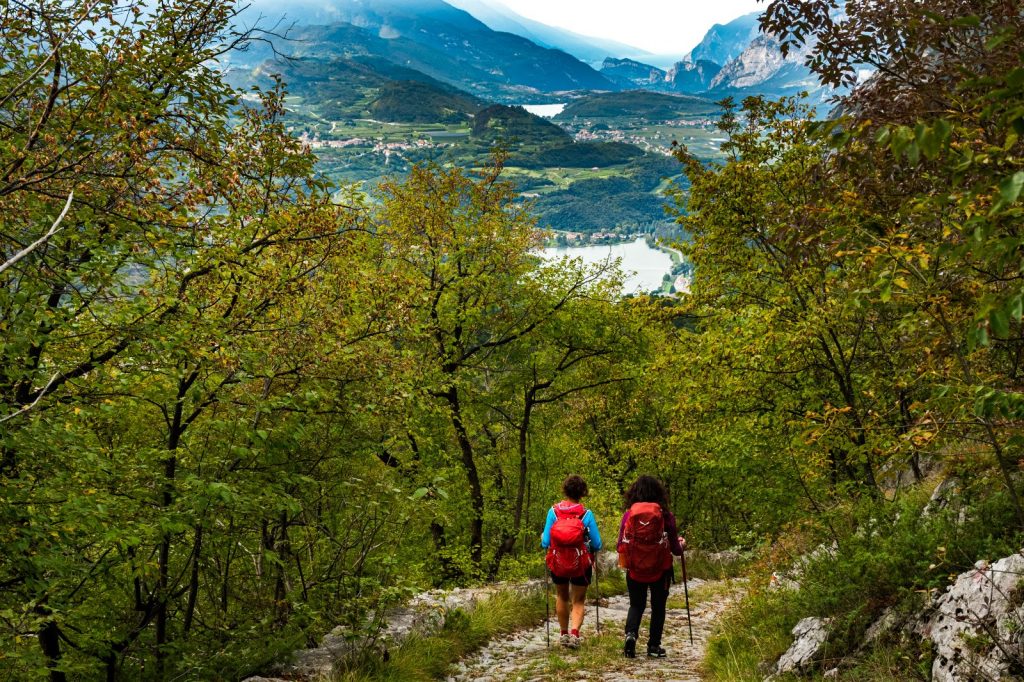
597,588
547,606
686,594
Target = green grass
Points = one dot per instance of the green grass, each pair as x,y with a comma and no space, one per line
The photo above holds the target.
888,664
756,629
419,659
701,593
698,565
609,584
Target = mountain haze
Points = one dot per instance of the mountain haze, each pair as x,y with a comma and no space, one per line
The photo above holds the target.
587,48
724,42
435,38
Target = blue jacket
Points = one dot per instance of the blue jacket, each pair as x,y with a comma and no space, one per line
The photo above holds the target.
588,521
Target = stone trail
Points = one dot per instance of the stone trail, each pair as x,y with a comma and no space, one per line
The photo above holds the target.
524,657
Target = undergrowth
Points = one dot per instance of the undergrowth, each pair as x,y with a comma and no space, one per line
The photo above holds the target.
702,565
424,658
862,560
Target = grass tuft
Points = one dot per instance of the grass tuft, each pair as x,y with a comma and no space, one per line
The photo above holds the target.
756,629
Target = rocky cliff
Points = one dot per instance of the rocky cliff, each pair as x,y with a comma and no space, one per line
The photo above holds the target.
631,73
689,76
761,66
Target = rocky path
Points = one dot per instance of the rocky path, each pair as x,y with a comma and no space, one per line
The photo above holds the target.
524,657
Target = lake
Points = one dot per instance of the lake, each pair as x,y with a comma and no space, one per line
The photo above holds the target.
545,110
644,267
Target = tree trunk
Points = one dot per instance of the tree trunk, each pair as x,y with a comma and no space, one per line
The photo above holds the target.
176,429
49,642
193,586
476,494
990,432
509,540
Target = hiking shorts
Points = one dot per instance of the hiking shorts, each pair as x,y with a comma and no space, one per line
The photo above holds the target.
581,580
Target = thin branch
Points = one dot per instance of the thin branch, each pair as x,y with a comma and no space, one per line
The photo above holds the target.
39,397
54,229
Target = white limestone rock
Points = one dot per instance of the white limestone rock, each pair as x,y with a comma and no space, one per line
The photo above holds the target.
607,562
810,637
962,621
890,621
942,495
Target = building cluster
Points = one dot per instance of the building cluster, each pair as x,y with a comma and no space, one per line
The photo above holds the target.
379,146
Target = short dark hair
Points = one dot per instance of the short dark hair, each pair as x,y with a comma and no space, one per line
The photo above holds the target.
647,489
574,487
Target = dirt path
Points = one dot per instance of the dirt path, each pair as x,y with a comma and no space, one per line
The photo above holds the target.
524,657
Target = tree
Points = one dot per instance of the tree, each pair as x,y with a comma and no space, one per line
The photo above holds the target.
156,236
933,142
482,312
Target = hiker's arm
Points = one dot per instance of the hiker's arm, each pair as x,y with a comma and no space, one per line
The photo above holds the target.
545,537
593,532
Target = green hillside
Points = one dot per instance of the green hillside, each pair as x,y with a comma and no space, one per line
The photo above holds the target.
412,102
500,122
653,106
582,155
346,88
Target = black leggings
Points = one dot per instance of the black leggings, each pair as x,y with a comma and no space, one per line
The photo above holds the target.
638,602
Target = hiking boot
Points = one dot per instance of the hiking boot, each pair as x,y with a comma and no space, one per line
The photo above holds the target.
564,640
574,641
656,652
629,647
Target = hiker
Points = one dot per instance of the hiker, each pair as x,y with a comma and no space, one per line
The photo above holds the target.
571,538
648,538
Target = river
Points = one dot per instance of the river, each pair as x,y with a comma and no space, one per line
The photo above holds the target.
644,267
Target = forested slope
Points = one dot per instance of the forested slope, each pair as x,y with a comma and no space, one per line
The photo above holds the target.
239,407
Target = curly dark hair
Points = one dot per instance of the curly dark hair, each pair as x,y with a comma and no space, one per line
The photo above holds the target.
647,489
574,487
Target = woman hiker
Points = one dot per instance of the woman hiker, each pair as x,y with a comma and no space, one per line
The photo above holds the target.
571,538
648,537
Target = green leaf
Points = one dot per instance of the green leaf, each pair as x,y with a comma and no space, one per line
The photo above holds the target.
1009,189
981,336
419,494
913,153
1015,307
1000,323
968,21
929,142
996,40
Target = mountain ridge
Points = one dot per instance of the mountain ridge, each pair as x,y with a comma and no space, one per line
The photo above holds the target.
440,40
589,49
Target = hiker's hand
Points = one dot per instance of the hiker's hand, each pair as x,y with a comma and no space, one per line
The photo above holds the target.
682,542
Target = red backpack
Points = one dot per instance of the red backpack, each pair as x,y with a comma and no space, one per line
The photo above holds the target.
646,546
568,555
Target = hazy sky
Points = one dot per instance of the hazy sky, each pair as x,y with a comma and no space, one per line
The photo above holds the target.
659,26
